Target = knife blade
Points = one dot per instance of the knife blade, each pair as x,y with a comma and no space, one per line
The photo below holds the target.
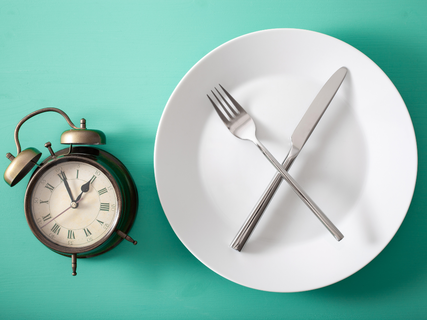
299,137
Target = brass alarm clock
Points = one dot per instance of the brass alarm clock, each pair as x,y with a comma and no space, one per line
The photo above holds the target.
80,201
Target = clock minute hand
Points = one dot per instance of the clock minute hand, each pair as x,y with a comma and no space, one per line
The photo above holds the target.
67,186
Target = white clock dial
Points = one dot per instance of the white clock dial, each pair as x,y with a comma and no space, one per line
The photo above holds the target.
66,215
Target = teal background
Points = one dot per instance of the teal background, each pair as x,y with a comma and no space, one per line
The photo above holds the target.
116,63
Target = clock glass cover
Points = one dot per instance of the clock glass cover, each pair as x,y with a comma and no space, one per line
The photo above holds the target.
73,204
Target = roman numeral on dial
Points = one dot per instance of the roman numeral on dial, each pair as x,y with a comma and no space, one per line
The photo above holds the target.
104,207
87,232
102,191
71,234
49,186
56,228
62,176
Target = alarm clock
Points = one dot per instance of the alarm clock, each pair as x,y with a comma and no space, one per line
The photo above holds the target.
81,201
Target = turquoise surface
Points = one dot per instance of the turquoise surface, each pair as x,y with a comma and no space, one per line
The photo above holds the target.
116,63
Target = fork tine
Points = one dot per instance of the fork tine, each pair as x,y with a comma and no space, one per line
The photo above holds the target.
233,111
235,103
221,115
224,108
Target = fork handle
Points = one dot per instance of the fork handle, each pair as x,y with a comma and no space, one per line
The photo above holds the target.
301,193
251,221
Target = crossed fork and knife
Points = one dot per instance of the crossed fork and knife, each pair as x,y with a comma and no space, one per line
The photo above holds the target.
241,124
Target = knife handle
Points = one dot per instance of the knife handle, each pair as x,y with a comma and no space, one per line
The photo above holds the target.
250,223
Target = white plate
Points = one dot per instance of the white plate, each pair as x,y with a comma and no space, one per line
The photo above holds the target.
359,165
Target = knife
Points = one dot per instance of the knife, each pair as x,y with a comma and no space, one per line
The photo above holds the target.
300,136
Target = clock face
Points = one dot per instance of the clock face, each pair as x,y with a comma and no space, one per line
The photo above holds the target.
73,204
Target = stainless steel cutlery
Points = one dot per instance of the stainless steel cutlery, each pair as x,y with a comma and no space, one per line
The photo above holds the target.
299,137
241,124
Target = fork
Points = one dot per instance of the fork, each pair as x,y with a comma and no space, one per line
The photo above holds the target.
241,125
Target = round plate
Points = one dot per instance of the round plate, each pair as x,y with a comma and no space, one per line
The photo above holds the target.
359,165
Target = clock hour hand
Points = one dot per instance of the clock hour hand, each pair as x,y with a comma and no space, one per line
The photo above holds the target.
63,177
84,188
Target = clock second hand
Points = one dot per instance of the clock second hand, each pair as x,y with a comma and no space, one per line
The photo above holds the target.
56,216
84,188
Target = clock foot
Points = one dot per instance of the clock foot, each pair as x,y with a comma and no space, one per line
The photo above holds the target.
125,236
74,263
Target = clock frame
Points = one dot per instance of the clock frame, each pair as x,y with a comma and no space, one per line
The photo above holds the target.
122,183
109,165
